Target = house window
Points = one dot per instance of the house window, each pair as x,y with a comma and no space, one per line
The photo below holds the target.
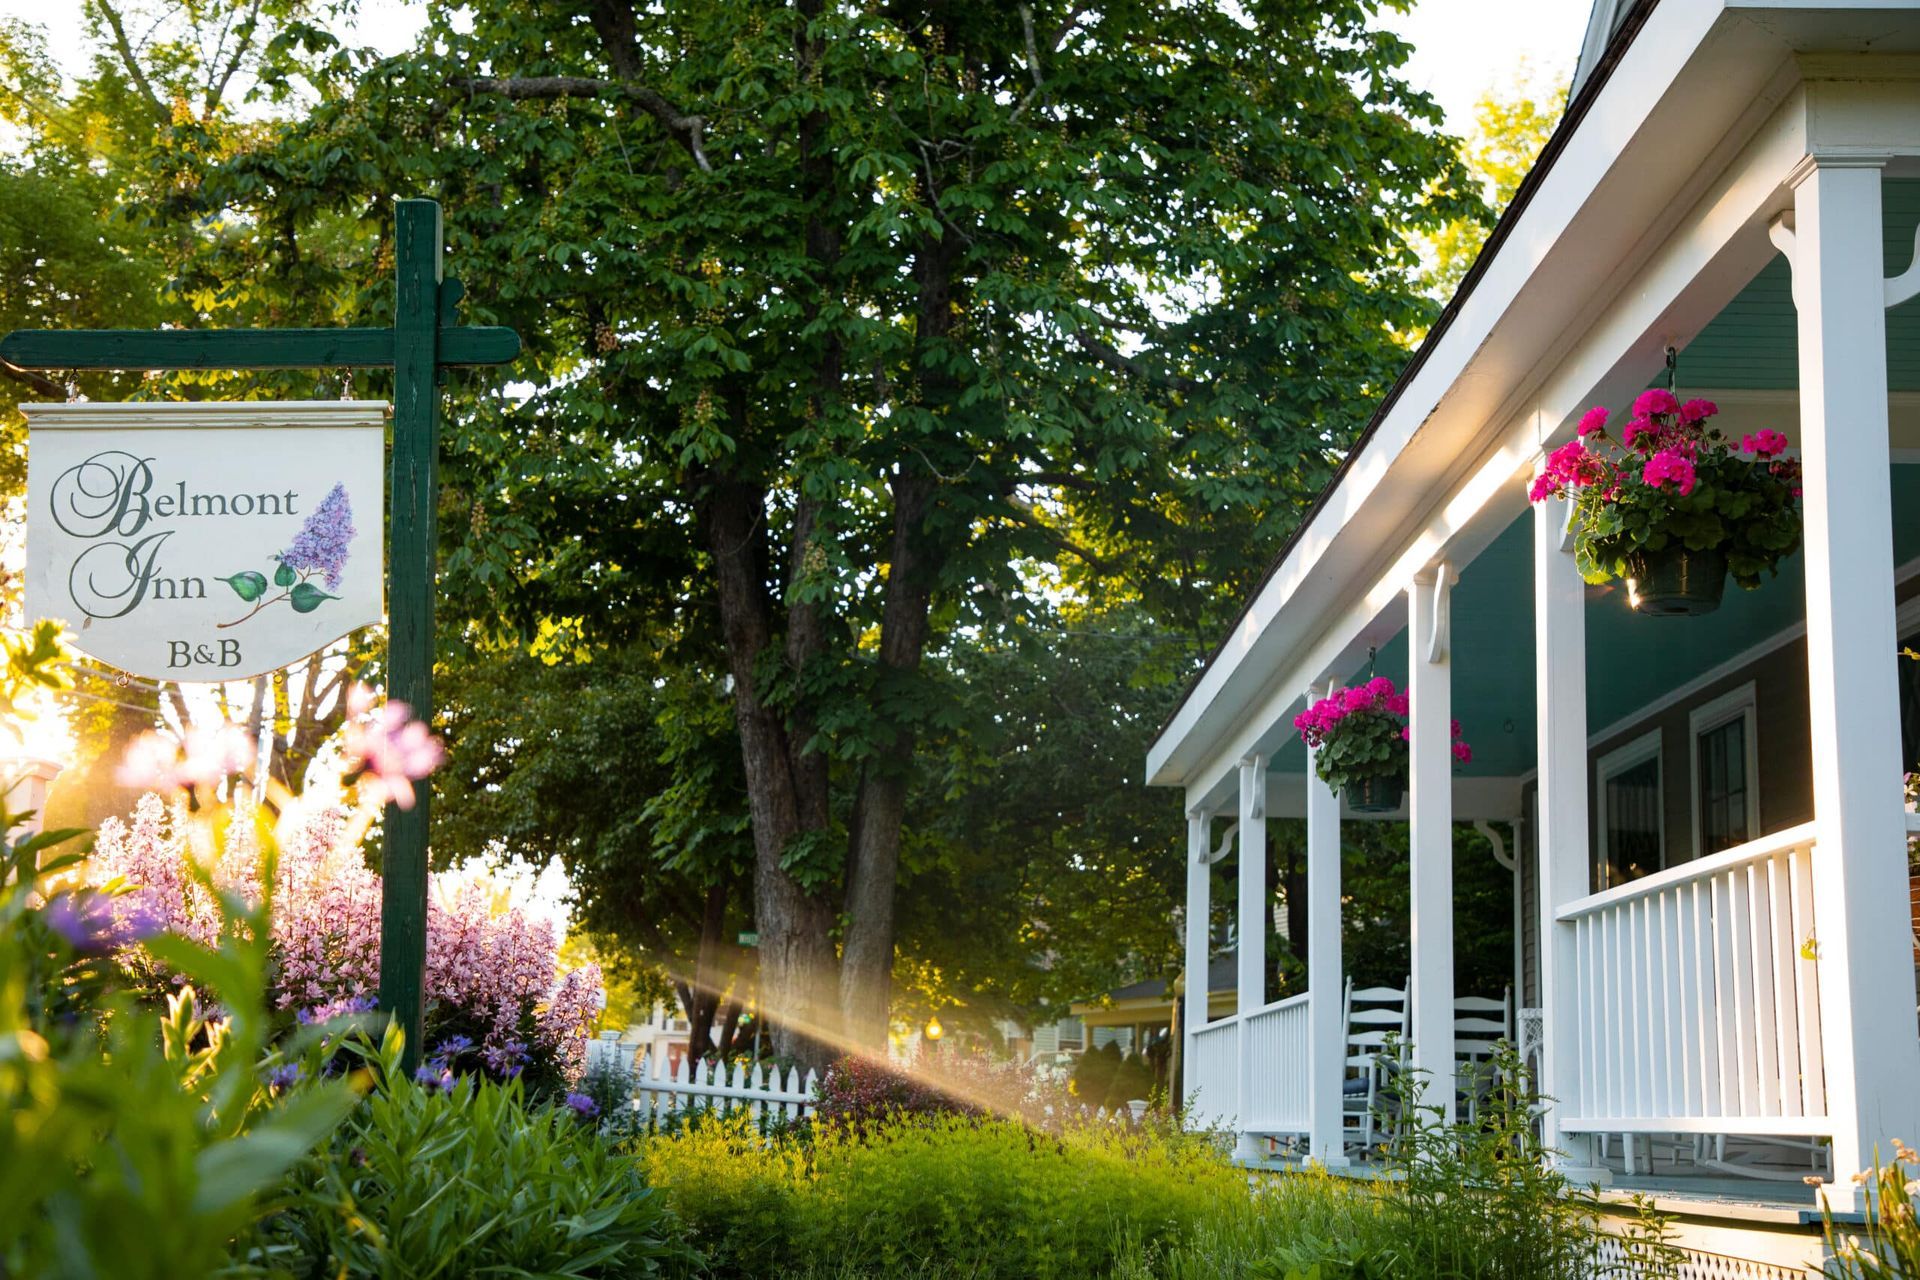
1632,815
1726,792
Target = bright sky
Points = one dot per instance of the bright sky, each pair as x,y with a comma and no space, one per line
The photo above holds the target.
1462,47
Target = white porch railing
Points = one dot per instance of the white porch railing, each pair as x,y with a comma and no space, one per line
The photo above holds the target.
1698,1005
1278,1038
1213,1077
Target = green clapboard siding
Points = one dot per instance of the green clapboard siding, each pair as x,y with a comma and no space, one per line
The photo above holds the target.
1751,346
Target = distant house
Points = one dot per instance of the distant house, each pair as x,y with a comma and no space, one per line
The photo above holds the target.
1138,1014
1716,970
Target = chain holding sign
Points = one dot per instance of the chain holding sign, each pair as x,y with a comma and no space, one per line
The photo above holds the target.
205,542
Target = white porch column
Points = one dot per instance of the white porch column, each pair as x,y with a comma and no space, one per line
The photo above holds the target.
1326,1037
1872,1056
1560,685
1254,912
1430,817
1199,911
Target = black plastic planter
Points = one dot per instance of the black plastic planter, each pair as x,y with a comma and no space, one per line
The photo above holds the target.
1677,583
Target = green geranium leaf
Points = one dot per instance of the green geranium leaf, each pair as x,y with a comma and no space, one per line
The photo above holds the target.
248,585
306,597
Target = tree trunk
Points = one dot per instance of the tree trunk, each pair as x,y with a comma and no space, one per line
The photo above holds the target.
702,996
796,948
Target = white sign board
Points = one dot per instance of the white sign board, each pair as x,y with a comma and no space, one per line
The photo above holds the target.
205,542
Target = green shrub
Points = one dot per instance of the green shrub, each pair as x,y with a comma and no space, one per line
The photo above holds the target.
740,1198
467,1181
937,1195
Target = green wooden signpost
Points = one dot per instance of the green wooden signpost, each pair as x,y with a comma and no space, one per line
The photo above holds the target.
426,337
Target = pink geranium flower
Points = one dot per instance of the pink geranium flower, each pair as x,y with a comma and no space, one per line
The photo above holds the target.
1764,444
1697,411
1655,401
1593,420
1669,464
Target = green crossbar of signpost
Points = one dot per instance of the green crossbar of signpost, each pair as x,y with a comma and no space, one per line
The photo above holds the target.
425,338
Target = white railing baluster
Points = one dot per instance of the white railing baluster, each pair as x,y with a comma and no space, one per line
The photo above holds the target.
1766,1057
1786,1038
1813,1081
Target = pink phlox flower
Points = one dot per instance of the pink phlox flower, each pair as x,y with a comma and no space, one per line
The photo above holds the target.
1764,444
1655,401
1593,420
1669,464
1696,411
207,756
388,751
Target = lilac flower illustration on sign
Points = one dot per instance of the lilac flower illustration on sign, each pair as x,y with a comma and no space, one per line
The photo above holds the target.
319,548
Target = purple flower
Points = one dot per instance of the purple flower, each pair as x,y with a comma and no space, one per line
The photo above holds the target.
452,1047
285,1076
321,544
583,1106
86,921
434,1075
335,1009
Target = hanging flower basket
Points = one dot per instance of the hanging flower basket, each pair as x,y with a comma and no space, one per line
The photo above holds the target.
1359,737
1673,506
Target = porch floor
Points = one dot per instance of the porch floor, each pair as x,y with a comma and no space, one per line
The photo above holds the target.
1746,1200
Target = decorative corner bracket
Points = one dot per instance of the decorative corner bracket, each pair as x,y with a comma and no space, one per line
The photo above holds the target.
1441,636
1220,851
1253,786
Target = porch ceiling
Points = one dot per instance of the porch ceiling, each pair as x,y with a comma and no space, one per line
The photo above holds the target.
1631,661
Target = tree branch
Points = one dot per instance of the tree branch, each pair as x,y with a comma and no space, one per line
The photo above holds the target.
124,47
1110,355
689,130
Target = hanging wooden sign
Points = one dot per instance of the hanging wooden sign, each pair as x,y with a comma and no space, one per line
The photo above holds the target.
205,542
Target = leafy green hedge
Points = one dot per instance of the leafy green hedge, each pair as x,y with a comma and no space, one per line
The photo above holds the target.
944,1195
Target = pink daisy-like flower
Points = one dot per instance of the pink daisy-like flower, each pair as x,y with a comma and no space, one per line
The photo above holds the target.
387,749
207,756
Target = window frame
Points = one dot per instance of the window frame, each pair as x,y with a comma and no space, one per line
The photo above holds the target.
1735,704
1631,755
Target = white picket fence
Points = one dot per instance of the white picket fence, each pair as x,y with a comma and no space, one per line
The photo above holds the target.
660,1091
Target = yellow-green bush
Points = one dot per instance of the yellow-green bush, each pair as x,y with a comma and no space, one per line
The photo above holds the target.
953,1195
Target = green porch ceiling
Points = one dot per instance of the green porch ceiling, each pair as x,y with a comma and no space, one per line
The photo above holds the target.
1631,660
1752,345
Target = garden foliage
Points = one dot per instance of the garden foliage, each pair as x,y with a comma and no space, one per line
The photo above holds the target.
962,1195
471,1180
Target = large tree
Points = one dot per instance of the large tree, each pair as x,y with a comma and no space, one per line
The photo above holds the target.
856,334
